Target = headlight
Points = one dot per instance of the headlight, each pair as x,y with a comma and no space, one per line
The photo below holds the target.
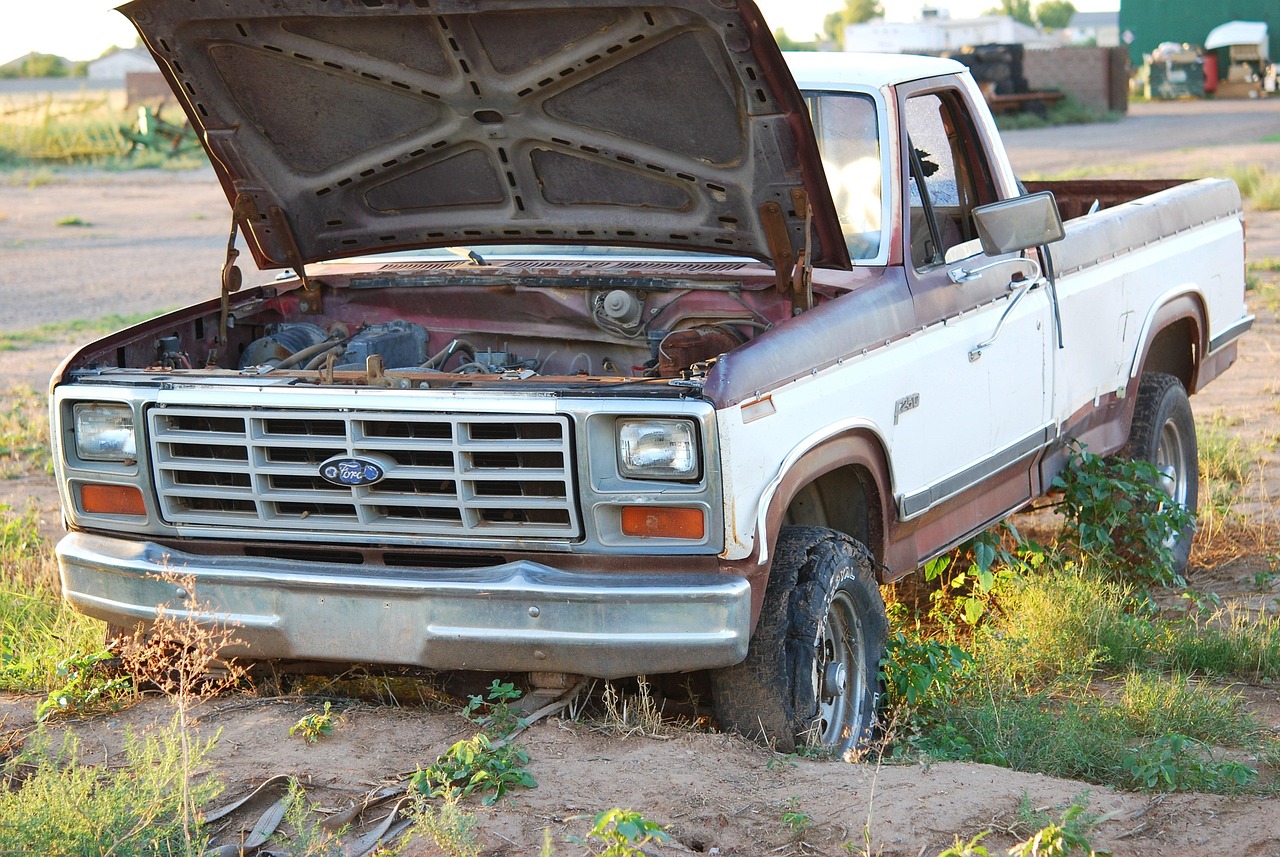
657,449
105,432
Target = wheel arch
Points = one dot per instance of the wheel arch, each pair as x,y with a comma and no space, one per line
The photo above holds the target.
1174,339
852,467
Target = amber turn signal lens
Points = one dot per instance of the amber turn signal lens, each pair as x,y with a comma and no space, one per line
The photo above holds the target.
112,500
663,522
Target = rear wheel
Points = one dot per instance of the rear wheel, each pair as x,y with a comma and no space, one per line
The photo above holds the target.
1164,434
811,677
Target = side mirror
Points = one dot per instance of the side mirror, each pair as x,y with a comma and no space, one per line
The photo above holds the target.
1012,225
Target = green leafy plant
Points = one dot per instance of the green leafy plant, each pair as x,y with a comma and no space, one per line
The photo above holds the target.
495,713
86,687
1060,839
137,809
919,671
308,837
24,433
1178,763
972,848
316,725
449,826
1114,509
794,821
476,764
622,833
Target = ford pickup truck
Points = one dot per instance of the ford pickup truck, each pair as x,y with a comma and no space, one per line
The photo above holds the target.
610,341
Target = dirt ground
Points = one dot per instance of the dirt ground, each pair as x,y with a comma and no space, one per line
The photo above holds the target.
156,239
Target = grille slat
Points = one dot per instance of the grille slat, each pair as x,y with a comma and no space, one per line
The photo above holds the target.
451,475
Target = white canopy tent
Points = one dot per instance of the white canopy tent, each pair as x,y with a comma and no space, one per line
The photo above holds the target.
1251,34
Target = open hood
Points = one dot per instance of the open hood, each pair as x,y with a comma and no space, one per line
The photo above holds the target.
342,127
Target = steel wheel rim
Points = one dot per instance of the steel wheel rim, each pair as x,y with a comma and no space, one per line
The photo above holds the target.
1171,461
840,675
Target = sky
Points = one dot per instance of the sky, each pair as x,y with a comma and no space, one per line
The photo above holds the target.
83,29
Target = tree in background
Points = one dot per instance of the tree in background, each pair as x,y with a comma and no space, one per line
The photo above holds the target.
854,12
1018,10
36,65
1055,14
787,43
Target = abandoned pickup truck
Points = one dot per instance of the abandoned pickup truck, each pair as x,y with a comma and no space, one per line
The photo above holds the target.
614,342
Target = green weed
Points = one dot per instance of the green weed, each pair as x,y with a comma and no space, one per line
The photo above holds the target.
622,833
476,764
62,806
1067,111
794,821
1266,195
85,687
485,762
71,220
972,848
450,827
1115,511
1156,704
921,673
1223,457
1247,178
24,433
309,838
1059,839
1178,763
38,632
316,725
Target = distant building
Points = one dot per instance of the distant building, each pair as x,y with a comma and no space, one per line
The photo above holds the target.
114,66
1144,24
934,31
1101,29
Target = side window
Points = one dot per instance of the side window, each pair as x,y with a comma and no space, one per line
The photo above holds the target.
947,178
849,142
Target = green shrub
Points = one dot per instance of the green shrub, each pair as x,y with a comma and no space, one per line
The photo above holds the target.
1178,763
63,807
1115,512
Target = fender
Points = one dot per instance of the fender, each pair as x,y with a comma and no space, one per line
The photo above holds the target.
854,442
1183,302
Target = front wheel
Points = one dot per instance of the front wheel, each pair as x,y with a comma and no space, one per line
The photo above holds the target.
811,677
1164,434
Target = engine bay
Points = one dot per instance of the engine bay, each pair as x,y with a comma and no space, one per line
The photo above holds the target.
395,327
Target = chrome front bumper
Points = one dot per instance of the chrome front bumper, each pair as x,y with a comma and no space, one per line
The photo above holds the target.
513,617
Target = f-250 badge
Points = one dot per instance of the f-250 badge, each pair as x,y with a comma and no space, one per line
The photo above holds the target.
351,471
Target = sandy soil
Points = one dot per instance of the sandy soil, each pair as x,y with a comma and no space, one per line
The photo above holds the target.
157,239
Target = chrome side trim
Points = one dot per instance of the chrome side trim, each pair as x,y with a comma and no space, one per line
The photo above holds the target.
911,505
1231,334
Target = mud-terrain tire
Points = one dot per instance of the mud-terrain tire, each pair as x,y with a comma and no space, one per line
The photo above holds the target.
811,676
1164,433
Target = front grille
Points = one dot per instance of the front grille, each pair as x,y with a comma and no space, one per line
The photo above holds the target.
446,475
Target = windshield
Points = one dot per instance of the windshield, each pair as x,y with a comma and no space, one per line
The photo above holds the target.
849,142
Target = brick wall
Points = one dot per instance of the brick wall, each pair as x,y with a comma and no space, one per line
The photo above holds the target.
1095,77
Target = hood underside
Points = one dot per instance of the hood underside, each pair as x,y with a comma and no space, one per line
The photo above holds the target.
342,127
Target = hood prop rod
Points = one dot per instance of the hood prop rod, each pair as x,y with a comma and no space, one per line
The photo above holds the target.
232,278
792,271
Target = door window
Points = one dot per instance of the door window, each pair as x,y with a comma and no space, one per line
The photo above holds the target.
947,178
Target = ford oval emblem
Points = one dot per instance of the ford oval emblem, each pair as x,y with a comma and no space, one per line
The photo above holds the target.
349,471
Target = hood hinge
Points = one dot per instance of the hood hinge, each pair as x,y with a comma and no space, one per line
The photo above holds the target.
310,302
